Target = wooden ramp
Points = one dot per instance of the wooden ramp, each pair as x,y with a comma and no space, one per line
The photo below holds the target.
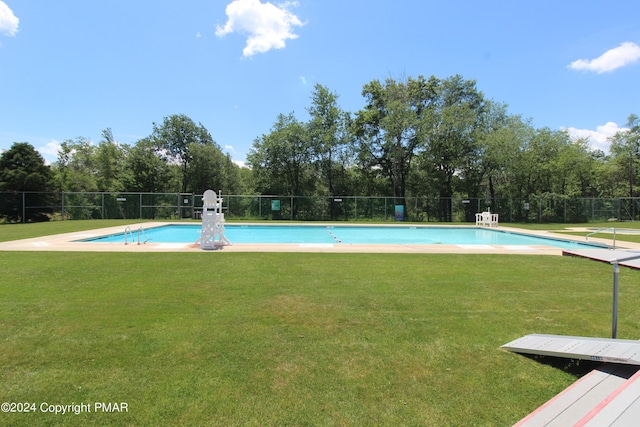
606,255
607,396
582,348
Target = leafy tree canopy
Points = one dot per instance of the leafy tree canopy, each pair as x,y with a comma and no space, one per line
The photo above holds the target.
174,138
22,168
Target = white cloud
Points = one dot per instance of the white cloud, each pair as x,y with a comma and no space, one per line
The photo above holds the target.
50,151
231,150
625,54
8,21
303,80
599,138
267,26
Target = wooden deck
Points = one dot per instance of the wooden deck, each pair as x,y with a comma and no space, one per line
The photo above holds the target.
607,396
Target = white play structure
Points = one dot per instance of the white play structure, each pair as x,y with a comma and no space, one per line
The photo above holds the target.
212,236
487,219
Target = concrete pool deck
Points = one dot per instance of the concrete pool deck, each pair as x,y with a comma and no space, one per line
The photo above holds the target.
68,242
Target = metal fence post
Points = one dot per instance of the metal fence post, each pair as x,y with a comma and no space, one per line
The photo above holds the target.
511,210
385,209
355,208
616,271
451,211
539,212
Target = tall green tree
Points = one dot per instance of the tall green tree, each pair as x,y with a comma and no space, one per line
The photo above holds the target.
22,169
330,137
502,153
281,160
453,136
144,170
607,179
392,128
235,182
625,153
109,163
625,156
75,168
479,162
174,139
574,168
208,169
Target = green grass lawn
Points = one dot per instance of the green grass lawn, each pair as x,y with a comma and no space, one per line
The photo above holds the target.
619,236
270,339
604,228
10,232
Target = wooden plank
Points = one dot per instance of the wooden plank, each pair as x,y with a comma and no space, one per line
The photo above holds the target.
620,408
577,401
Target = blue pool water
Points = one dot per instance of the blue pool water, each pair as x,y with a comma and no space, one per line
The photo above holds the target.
408,235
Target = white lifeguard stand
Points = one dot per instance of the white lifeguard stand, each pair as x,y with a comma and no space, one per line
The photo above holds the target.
487,219
212,236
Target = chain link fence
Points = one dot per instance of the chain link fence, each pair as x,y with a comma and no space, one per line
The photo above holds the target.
32,206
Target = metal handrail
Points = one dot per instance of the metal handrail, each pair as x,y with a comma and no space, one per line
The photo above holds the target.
599,230
129,232
141,231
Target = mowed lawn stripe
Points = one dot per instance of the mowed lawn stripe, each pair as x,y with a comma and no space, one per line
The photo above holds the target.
294,339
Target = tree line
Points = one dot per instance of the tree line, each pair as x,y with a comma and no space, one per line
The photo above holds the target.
413,137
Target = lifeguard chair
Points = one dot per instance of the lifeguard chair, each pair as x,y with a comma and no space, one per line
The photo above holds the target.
212,235
486,219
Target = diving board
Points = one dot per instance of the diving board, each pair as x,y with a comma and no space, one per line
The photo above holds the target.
582,348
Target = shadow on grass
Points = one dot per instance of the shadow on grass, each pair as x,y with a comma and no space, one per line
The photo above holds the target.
576,367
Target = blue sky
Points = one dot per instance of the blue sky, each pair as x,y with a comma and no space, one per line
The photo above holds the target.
71,68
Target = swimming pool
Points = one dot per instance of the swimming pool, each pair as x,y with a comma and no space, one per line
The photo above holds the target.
339,234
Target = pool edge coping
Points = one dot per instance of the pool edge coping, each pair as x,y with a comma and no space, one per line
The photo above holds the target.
68,242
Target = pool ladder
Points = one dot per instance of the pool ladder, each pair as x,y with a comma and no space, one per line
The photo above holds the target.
128,234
